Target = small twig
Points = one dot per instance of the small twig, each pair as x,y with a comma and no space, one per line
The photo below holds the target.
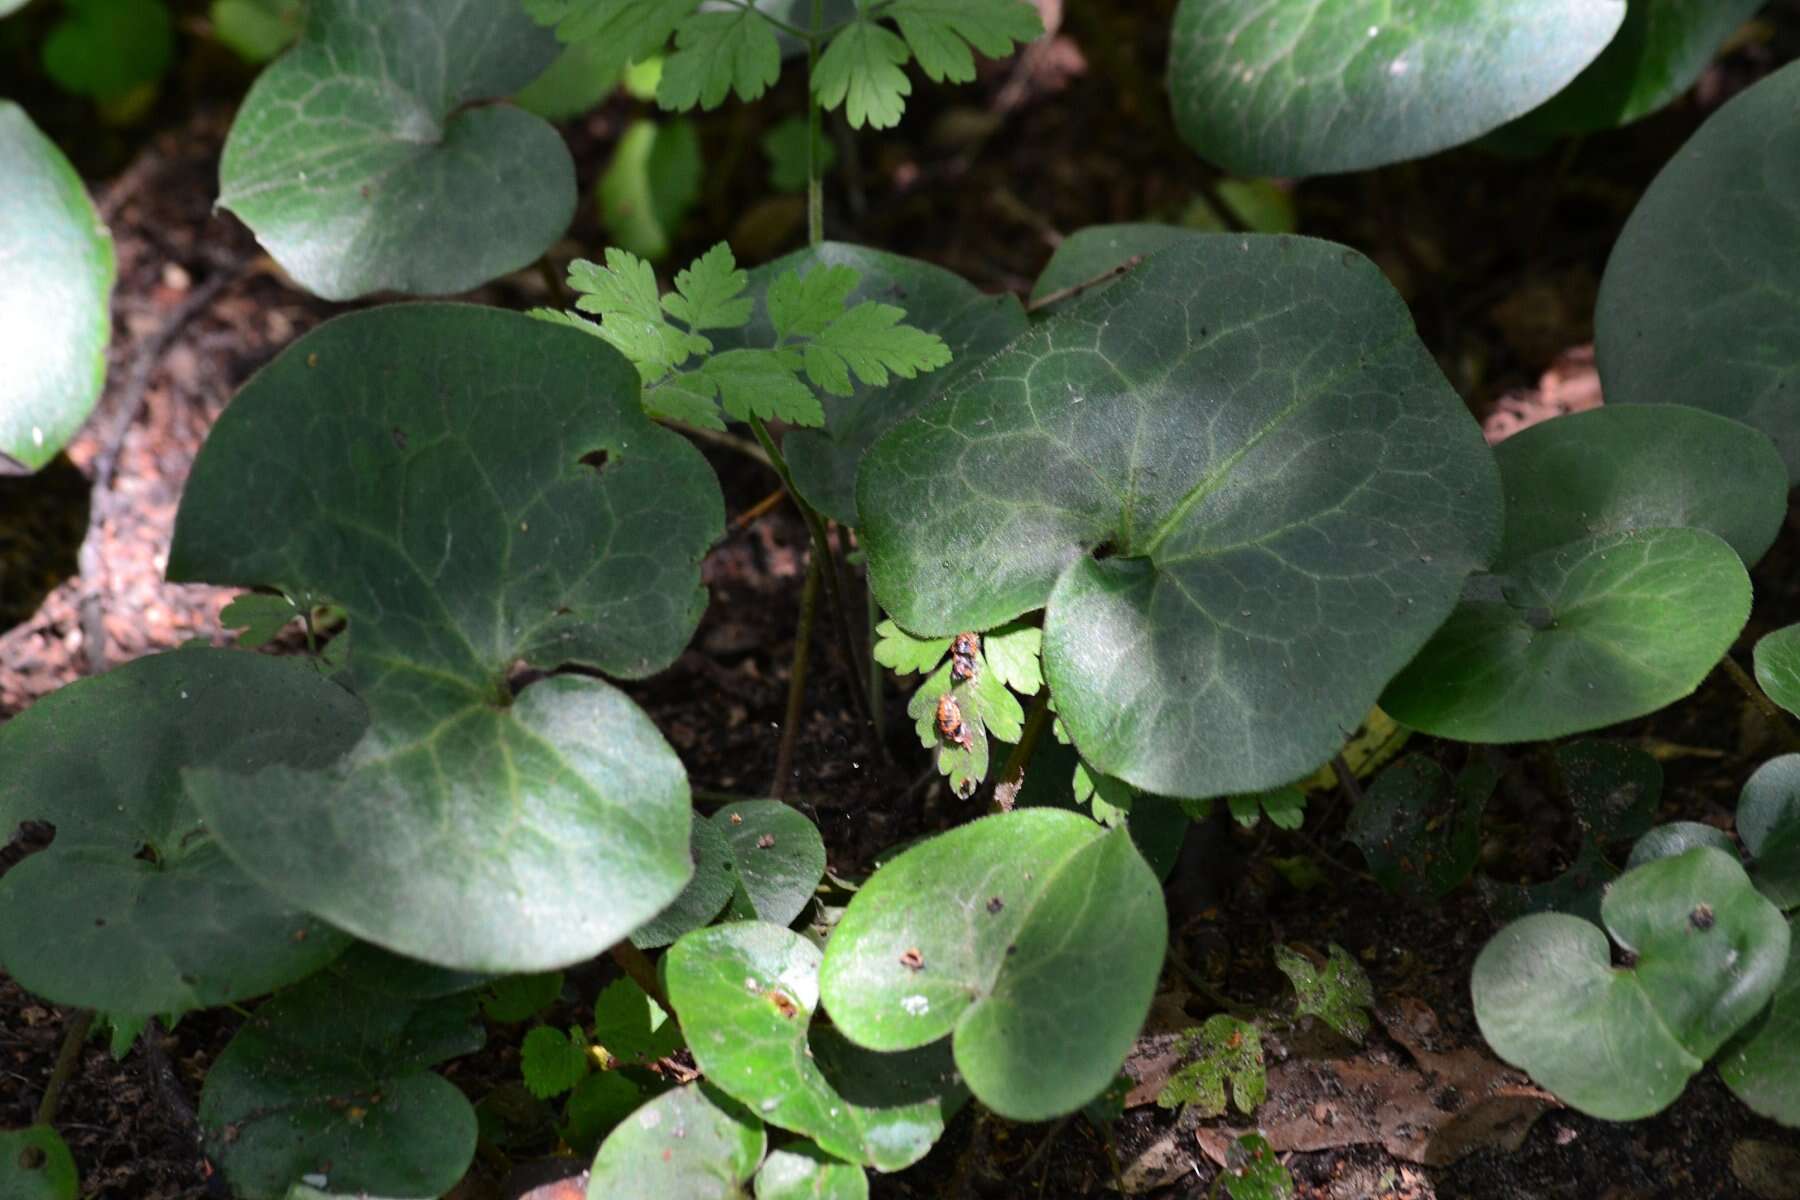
759,510
164,1081
1346,778
1069,293
728,441
1012,776
796,700
641,971
1042,1151
1771,712
75,1032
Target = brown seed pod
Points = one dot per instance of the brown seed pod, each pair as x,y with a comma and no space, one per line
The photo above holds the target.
950,722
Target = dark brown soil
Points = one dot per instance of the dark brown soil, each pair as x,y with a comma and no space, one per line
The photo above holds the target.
1500,259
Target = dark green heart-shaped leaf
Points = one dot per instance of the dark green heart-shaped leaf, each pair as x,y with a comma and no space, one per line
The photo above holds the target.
804,1172
1768,819
1677,837
1287,87
1577,890
689,1142
372,969
1618,587
705,894
746,993
1614,787
1016,932
1420,831
1696,307
367,157
1763,1066
971,323
1088,255
35,1164
54,296
1778,667
134,907
424,466
1236,482
331,1080
1657,54
1620,1043
777,854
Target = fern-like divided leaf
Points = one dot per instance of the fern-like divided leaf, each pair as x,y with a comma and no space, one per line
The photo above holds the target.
822,343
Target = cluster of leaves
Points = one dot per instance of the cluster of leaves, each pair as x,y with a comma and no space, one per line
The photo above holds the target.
820,341
738,48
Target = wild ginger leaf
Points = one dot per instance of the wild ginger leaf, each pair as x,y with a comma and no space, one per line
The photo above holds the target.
717,53
860,69
941,32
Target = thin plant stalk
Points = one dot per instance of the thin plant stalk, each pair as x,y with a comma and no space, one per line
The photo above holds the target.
815,183
796,700
1012,775
67,1059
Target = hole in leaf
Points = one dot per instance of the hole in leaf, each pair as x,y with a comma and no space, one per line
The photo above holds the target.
597,459
33,1158
147,853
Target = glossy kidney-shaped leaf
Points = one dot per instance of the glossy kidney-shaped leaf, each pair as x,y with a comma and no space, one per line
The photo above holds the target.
689,1142
424,466
1237,483
1657,54
1620,583
777,854
1419,830
804,1172
1778,667
972,323
1675,838
1292,87
746,993
1620,1043
1763,1066
1768,819
54,295
333,1081
35,1164
134,907
1016,932
1696,306
1086,257
367,157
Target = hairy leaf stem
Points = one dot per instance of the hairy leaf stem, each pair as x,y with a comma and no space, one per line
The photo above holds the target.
67,1059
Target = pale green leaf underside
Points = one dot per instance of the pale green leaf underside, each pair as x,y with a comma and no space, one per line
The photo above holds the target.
1303,87
91,921
689,1142
1032,929
422,466
1237,483
56,278
1699,299
1621,1043
365,158
751,1041
330,1080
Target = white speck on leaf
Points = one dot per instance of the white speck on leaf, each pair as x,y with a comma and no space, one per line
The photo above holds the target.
916,1006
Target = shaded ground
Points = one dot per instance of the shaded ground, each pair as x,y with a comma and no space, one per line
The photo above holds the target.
1500,260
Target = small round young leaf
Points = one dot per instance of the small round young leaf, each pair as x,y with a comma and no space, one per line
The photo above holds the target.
1676,838
426,467
1293,87
1657,54
972,324
1768,819
1621,1043
35,1164
1017,932
366,158
650,185
778,855
1763,1066
746,993
1697,303
135,907
1778,667
332,1080
690,1142
804,1172
1237,483
1620,583
54,295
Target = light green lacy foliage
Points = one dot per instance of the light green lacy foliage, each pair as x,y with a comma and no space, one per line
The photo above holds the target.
1229,1050
552,1061
726,50
1008,659
819,342
1337,995
1107,796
